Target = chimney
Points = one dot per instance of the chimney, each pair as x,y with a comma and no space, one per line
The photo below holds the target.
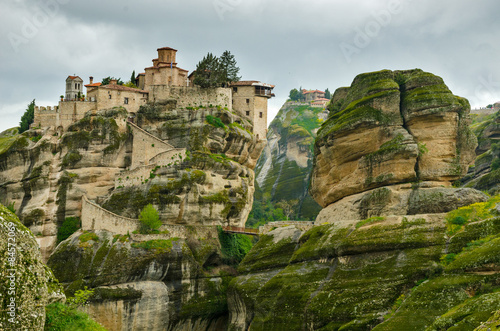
91,79
113,82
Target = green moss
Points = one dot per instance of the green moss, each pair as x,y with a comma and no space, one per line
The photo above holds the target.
369,221
158,245
88,236
61,317
116,294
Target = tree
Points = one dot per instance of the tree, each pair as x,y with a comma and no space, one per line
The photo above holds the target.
294,95
208,72
28,117
132,78
149,219
107,80
328,95
301,94
288,206
229,69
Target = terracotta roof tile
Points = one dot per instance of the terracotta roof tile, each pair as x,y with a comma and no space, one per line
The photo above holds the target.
73,77
93,85
313,91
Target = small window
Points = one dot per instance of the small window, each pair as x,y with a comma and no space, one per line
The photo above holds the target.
125,101
248,100
109,95
76,86
235,90
260,115
248,112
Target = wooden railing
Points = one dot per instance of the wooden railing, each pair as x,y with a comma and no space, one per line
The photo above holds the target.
236,229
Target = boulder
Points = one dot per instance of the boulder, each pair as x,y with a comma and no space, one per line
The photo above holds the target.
391,127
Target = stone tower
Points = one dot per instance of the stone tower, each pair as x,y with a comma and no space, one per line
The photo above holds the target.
74,85
250,99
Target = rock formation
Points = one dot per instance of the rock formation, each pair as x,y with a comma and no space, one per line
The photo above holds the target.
45,175
284,168
390,250
390,128
27,284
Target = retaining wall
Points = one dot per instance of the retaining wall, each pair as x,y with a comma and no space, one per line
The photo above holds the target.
193,96
94,217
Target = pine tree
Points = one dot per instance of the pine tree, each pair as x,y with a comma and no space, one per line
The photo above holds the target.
208,72
28,117
328,95
132,78
229,68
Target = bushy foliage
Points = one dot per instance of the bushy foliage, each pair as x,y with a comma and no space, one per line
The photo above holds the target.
215,121
294,95
28,117
62,317
212,71
234,246
149,219
264,212
67,228
107,80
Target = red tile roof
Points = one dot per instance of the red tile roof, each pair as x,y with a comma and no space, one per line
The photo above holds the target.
73,77
321,99
93,85
313,91
250,83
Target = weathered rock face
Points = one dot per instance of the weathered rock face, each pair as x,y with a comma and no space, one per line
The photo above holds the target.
394,273
148,282
391,127
27,285
284,168
46,175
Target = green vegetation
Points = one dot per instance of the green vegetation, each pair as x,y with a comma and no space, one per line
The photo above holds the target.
158,245
87,236
149,219
212,71
234,246
28,117
264,212
63,317
215,121
456,219
370,220
67,228
107,80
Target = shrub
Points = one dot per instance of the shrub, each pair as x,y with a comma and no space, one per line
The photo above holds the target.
149,219
68,227
215,121
459,220
234,246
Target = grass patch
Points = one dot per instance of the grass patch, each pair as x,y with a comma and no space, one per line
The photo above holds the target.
456,219
159,245
370,220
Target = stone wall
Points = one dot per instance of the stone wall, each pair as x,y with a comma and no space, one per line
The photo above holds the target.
94,217
168,157
301,225
192,96
146,146
63,115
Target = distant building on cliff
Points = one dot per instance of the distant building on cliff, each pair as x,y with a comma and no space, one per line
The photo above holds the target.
164,80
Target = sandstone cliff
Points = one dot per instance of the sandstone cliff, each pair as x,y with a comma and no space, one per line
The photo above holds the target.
390,128
203,176
27,285
396,247
283,170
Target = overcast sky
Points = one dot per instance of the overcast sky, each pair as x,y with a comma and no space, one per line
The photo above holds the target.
289,43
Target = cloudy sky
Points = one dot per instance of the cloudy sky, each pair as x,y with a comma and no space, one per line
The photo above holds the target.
290,43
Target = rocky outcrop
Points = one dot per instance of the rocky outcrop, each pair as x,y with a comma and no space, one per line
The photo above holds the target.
150,283
416,272
391,127
200,166
27,285
283,170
